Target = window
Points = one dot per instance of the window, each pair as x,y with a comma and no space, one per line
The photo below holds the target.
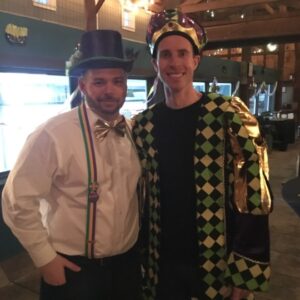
136,99
128,19
27,100
199,86
263,101
48,4
260,102
223,88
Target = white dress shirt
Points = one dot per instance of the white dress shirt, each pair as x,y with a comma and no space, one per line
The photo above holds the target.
44,200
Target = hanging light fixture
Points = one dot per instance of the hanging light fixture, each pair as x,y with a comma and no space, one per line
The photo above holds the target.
272,47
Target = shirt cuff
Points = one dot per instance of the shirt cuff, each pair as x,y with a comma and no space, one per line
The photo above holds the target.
42,255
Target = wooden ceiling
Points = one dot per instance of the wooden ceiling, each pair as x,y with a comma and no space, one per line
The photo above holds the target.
263,21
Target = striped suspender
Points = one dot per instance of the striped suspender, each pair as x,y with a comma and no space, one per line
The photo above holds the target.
92,195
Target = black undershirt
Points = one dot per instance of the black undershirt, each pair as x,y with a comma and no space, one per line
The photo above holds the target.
174,132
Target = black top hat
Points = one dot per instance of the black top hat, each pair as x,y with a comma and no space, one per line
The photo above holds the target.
98,49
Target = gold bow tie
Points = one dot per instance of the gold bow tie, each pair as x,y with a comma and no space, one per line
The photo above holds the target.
103,127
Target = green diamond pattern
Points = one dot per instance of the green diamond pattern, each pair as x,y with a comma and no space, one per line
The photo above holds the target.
254,170
210,227
256,280
209,147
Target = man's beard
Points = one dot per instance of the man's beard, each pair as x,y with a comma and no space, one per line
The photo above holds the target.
98,105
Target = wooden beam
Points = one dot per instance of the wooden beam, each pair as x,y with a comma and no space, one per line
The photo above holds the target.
292,3
224,4
249,18
189,2
259,30
98,5
269,9
91,9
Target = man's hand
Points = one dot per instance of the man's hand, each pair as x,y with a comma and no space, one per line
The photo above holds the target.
238,294
54,272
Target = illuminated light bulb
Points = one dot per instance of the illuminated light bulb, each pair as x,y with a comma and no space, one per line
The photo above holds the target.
272,47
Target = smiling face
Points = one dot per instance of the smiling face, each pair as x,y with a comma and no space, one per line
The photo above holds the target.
175,63
105,91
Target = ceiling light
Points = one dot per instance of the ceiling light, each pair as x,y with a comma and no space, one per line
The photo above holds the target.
134,5
272,47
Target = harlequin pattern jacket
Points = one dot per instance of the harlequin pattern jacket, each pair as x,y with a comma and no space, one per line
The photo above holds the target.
233,198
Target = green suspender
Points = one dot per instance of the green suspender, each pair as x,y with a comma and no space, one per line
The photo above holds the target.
92,195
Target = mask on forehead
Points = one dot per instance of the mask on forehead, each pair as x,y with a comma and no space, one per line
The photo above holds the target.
173,22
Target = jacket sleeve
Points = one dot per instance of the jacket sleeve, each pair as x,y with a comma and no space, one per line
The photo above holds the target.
249,200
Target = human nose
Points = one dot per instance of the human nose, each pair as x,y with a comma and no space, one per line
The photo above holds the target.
174,60
109,88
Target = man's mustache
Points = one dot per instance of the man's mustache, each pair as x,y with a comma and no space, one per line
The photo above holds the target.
108,98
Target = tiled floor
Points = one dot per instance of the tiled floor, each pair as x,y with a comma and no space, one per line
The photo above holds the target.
20,281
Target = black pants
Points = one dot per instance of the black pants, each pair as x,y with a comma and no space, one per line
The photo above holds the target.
179,281
114,278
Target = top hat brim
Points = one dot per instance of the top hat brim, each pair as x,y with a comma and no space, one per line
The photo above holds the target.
100,62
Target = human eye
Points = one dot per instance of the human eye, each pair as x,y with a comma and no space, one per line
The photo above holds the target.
164,54
119,81
183,53
99,82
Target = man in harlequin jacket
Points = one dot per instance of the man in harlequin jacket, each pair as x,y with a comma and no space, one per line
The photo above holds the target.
207,199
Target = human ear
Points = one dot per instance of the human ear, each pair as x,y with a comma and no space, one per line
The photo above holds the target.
154,64
81,84
196,59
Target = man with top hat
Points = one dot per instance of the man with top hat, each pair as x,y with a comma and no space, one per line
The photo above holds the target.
71,197
205,218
